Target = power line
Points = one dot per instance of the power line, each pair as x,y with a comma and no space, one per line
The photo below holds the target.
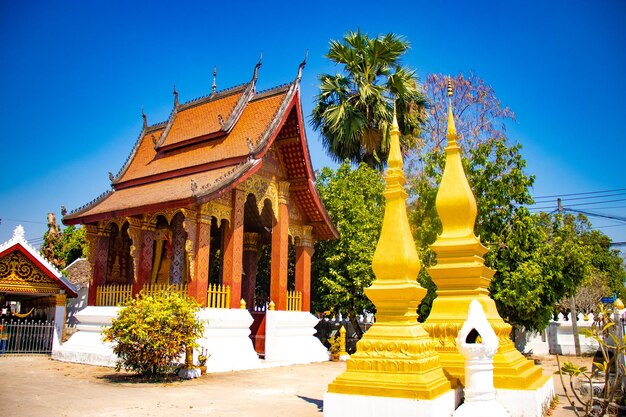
595,202
22,221
575,194
593,196
588,213
579,204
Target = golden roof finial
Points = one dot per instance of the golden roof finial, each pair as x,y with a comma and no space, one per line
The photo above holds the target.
395,156
451,132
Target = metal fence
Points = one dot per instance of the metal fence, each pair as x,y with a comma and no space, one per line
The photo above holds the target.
26,337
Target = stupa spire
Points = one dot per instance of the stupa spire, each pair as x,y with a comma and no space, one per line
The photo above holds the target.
374,369
451,132
455,202
462,276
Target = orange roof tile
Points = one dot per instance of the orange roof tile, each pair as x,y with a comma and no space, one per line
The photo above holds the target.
200,120
254,121
173,189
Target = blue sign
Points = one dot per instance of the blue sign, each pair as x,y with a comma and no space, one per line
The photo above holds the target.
609,300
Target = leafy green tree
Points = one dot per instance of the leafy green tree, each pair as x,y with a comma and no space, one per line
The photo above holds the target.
152,332
342,268
538,260
62,248
354,108
605,274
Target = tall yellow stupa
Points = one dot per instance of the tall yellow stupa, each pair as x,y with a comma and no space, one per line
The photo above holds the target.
395,370
461,276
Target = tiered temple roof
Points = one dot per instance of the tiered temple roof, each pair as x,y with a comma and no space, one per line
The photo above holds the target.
207,147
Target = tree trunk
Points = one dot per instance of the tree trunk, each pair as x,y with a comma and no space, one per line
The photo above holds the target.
356,325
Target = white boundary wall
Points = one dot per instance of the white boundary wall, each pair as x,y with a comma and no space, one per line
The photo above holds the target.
558,337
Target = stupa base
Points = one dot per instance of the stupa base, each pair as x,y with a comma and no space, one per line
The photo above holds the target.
527,403
347,405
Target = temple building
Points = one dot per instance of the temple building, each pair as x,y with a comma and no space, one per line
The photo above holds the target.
33,295
201,195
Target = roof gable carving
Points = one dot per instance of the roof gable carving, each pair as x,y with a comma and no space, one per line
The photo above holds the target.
23,269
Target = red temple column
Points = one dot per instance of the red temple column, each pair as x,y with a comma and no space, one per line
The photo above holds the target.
147,251
98,241
233,248
200,281
280,250
250,250
304,251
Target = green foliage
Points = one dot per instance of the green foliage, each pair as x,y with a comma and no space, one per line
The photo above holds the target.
151,333
539,258
61,249
354,108
342,268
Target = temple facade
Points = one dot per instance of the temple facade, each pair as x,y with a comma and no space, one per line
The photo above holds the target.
202,196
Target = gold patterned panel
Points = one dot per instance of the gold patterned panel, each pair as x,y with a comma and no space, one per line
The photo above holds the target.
294,213
20,274
217,210
262,189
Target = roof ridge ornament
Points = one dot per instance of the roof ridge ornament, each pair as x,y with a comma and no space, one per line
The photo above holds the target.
175,92
214,86
255,75
145,118
301,67
18,233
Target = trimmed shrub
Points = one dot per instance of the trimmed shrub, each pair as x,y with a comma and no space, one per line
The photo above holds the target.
152,332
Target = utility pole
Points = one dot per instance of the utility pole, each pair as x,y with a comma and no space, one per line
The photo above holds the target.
572,299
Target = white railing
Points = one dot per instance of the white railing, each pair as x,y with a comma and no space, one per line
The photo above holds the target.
26,337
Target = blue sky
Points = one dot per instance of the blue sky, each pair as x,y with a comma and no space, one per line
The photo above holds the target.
76,75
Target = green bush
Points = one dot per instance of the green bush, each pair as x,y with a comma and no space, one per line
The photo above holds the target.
151,333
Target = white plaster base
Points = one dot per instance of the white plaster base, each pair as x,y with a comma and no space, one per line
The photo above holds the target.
227,340
344,405
86,345
527,403
289,338
481,409
189,373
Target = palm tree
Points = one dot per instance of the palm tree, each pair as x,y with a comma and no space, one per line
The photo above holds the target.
354,108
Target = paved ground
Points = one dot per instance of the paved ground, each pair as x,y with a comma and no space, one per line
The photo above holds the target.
38,386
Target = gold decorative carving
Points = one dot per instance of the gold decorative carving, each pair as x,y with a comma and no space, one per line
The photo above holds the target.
20,274
307,237
262,189
219,211
250,241
190,225
294,213
295,231
283,192
134,232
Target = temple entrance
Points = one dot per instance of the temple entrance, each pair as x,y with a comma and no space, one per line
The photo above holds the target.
119,262
257,249
169,265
